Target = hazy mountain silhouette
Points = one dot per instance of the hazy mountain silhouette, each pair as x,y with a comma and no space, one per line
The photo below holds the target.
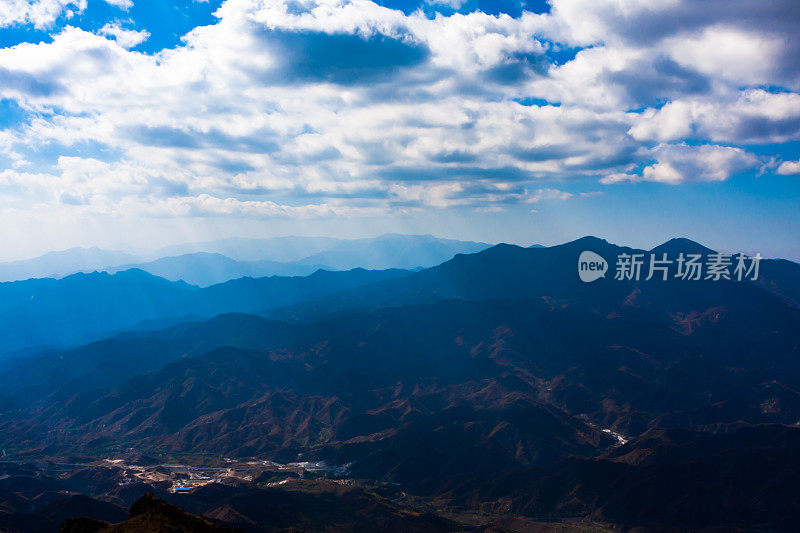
203,268
391,251
280,249
387,251
213,262
57,264
81,307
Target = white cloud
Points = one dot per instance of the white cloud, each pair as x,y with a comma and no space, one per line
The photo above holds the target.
40,13
680,163
787,168
454,4
729,54
122,4
43,13
205,205
125,37
548,194
756,116
259,114
677,163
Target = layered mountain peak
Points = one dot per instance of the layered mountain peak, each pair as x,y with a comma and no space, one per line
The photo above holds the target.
681,245
588,240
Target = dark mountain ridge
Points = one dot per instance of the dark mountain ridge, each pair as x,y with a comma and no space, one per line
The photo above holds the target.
506,272
84,307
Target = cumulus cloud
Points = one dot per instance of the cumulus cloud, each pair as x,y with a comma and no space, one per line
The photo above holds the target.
787,168
755,116
122,4
345,107
454,4
205,205
126,38
679,163
39,13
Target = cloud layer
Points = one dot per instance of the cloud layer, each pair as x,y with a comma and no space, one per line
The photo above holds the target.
302,108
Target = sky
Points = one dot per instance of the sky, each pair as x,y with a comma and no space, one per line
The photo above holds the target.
132,124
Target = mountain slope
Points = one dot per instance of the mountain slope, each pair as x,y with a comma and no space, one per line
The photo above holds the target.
111,361
743,477
73,309
83,307
359,375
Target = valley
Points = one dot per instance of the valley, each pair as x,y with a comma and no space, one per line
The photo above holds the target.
177,477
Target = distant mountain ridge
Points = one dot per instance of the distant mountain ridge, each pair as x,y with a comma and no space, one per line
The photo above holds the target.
206,268
218,261
58,264
392,251
83,307
509,271
306,250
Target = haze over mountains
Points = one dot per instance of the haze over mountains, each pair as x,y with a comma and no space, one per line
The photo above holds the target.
205,268
495,382
45,313
42,313
57,264
213,262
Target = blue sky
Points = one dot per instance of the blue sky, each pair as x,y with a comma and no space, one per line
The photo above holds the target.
133,124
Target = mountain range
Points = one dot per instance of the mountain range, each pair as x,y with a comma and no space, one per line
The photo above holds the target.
494,392
215,262
62,263
205,268
50,313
